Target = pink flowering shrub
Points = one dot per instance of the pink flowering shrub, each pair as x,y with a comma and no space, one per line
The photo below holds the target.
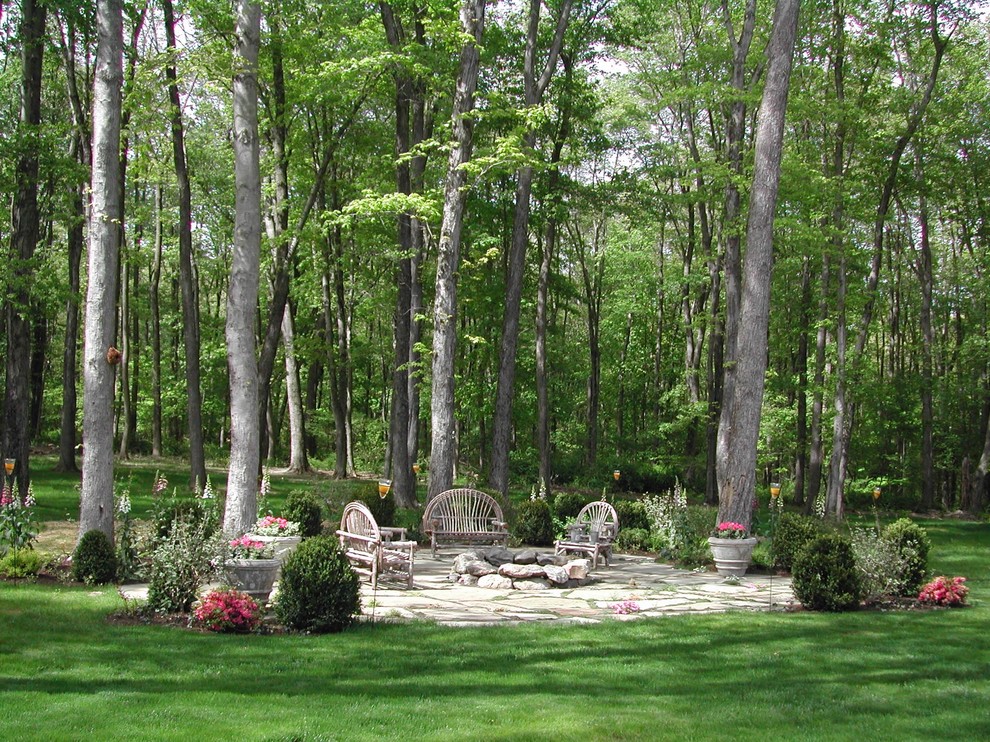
729,529
945,591
626,607
246,547
228,611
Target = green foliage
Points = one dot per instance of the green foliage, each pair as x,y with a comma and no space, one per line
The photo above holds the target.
534,523
195,512
883,569
180,563
94,561
567,505
383,508
318,590
635,539
304,508
792,533
22,562
632,514
18,523
911,541
824,575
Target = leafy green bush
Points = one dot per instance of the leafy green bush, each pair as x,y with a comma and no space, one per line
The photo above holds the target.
636,539
192,512
792,533
318,590
383,508
94,561
824,575
911,541
534,523
632,514
180,563
881,566
23,562
304,508
18,521
566,505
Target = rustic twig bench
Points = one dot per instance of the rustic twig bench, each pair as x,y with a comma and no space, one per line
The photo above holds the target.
369,552
592,533
464,516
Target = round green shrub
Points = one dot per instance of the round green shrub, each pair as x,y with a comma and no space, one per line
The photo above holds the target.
793,533
632,514
94,560
383,508
318,591
304,508
566,505
534,523
824,575
911,541
637,539
23,562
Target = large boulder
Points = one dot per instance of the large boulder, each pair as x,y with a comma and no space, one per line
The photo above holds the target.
498,556
531,585
521,571
495,582
527,556
578,569
556,575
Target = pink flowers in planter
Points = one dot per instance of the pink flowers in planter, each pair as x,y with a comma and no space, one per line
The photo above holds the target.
228,611
944,591
270,525
246,547
730,529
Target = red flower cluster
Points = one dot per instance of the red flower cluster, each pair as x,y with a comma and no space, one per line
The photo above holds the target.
228,611
945,591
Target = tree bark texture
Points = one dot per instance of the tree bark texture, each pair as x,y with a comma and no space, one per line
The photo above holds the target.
242,295
442,408
740,424
96,502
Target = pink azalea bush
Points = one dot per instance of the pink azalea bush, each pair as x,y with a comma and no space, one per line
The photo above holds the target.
228,611
730,529
944,591
246,547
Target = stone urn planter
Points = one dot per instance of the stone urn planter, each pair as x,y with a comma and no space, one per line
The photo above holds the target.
253,576
732,555
281,546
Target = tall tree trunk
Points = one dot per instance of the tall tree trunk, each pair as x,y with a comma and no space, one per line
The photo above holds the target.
187,277
16,441
298,462
740,424
99,356
156,330
924,268
242,296
816,453
801,442
498,474
442,407
124,325
67,428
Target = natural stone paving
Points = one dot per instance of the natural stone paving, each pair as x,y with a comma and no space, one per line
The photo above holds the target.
654,590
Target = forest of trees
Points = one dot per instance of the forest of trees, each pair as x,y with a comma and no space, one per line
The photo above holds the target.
508,239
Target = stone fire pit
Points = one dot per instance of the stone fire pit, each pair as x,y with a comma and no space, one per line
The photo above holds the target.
502,569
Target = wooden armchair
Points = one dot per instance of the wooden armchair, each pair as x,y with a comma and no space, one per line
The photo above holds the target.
368,552
592,533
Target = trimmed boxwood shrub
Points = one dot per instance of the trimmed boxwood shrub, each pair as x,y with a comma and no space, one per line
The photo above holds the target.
637,539
911,540
632,514
304,508
383,508
566,505
793,533
534,523
318,591
824,576
23,562
94,561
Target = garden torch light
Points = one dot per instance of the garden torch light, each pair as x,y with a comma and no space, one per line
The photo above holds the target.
774,490
416,469
8,466
876,494
616,474
384,485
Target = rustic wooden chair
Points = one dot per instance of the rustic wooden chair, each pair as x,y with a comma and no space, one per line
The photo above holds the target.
464,516
592,532
368,552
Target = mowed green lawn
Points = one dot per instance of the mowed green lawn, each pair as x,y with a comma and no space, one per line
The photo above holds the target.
66,673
